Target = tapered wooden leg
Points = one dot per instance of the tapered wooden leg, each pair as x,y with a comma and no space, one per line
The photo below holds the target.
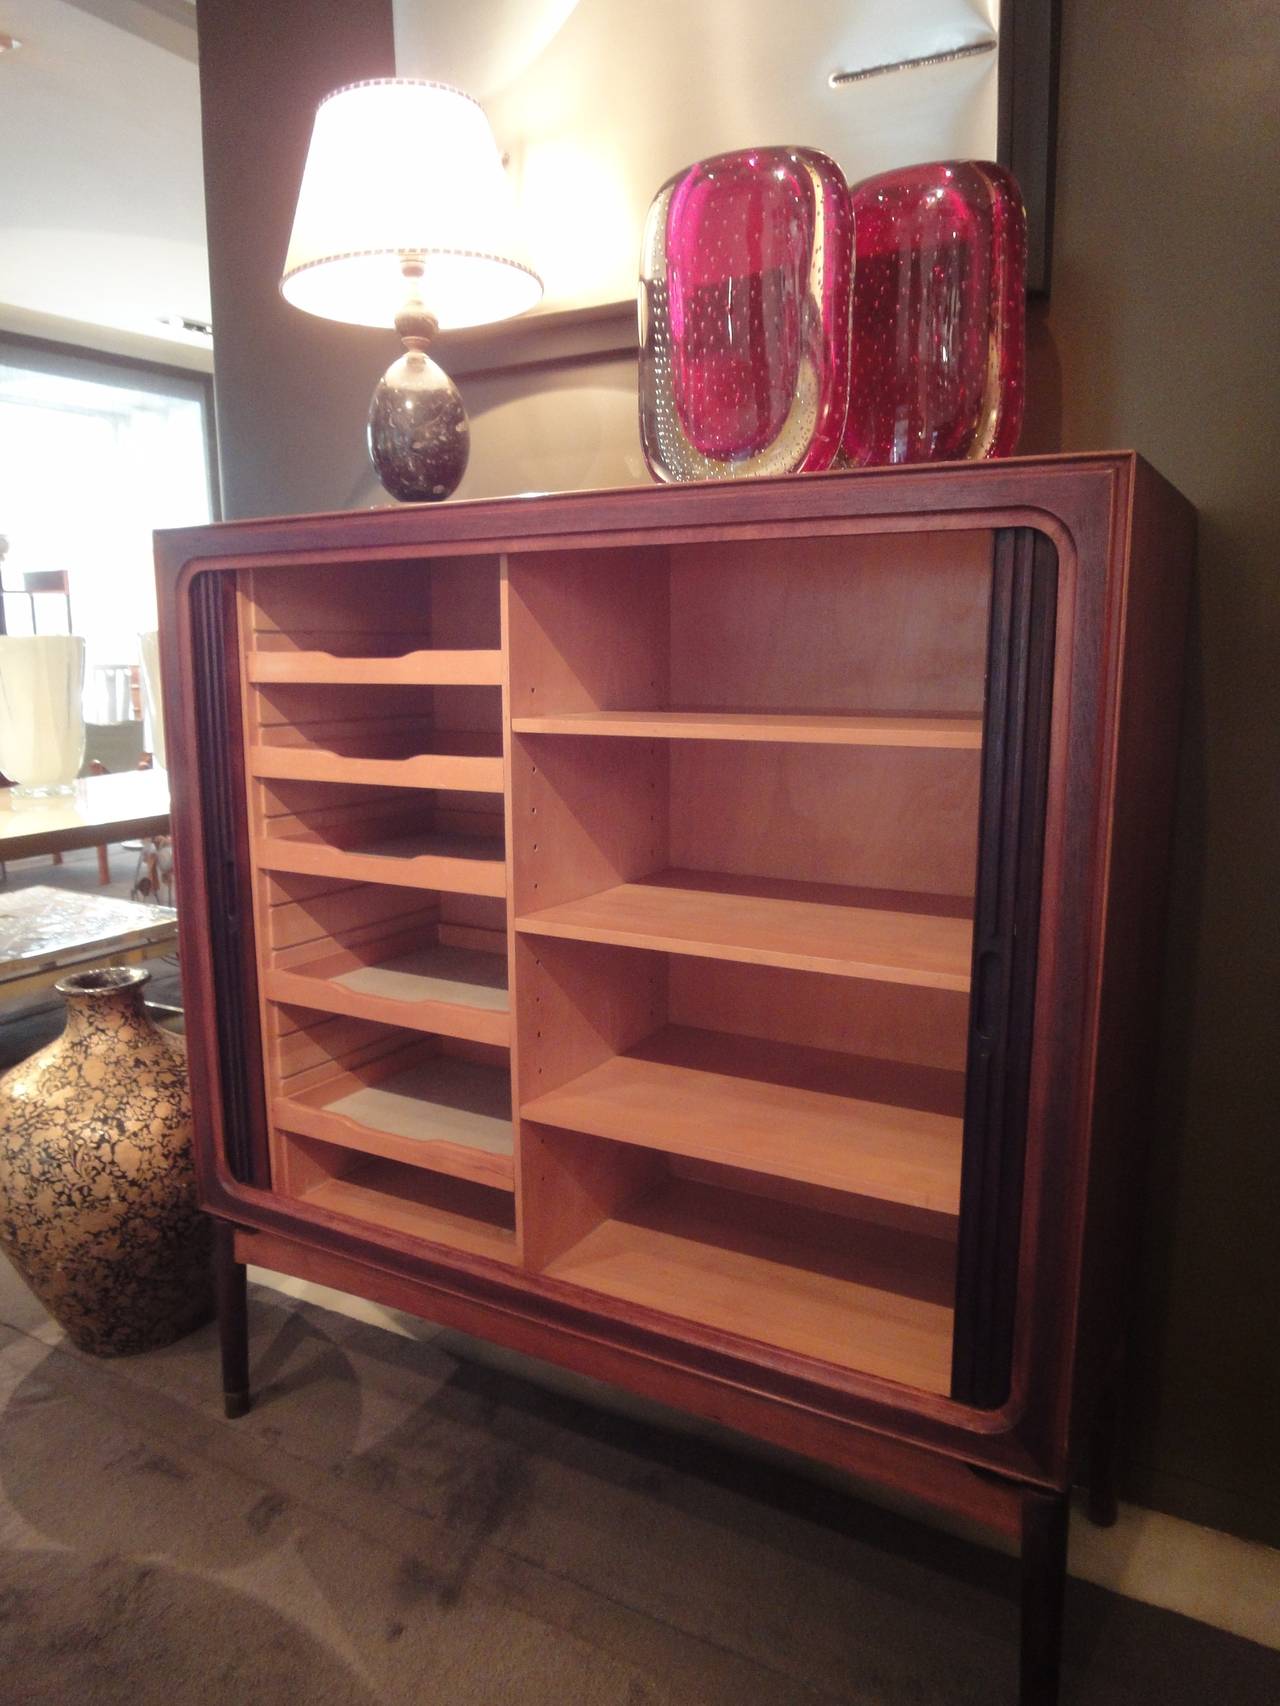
233,1321
1044,1580
1102,1503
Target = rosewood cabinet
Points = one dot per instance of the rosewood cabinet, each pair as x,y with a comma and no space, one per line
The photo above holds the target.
704,937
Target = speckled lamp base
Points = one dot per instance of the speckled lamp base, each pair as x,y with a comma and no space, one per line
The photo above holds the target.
419,438
97,1189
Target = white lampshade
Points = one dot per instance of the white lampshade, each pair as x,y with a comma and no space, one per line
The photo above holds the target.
401,167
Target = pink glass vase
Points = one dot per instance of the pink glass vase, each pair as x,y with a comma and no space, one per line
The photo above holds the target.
939,310
744,305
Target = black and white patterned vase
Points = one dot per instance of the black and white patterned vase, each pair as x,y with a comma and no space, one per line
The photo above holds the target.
97,1188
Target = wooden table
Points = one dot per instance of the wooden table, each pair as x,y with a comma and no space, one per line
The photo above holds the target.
46,933
103,809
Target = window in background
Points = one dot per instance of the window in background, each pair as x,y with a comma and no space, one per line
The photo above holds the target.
93,458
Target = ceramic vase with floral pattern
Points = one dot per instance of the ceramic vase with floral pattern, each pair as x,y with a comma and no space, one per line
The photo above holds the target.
97,1188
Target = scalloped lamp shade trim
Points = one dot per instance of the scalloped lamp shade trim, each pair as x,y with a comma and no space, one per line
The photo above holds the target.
400,168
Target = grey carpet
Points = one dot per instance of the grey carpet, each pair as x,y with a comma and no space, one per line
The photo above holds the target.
391,1525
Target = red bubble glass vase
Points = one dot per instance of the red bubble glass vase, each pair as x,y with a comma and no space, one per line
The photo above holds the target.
937,344
744,317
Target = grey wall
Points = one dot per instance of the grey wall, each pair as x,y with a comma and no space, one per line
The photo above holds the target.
291,391
1161,334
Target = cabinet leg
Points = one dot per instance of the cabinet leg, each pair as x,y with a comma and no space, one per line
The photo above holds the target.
233,1321
1044,1580
1102,1502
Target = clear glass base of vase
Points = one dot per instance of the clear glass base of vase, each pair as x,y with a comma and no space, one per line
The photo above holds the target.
42,790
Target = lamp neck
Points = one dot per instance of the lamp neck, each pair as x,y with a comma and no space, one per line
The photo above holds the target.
415,323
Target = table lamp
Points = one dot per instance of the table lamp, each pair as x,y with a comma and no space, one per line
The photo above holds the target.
406,218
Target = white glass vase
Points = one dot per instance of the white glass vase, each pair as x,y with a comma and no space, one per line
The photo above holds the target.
41,719
152,696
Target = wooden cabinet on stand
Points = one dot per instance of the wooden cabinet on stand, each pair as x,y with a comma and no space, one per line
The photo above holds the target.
705,937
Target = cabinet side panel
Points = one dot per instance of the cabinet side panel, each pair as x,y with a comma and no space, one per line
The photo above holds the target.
219,760
1006,921
1160,554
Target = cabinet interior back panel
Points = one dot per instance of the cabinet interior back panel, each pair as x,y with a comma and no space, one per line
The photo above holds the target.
888,622
827,814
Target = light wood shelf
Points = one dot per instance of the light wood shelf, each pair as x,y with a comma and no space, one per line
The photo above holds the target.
445,1211
445,1114
719,1098
861,1296
464,772
810,926
452,992
457,864
413,669
962,733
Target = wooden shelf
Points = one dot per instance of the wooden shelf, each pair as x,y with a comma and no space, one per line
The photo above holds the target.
439,1210
452,992
818,730
465,772
445,1114
810,926
728,1099
414,669
864,1297
457,864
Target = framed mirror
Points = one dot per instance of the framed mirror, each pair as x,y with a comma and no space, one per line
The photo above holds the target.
597,102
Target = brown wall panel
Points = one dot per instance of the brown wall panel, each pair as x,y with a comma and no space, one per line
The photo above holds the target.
1162,332
291,390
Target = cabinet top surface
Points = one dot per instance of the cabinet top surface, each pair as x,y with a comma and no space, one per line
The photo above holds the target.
1062,486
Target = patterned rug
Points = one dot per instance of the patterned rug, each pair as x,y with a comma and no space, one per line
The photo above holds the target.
391,1524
